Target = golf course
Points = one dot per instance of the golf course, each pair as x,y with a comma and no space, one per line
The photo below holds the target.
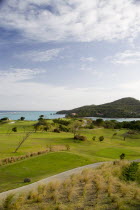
63,152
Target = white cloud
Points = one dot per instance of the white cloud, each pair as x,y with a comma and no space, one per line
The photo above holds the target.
77,20
41,56
88,59
15,75
17,94
126,57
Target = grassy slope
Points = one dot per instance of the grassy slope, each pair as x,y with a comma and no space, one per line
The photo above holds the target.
86,152
38,168
101,188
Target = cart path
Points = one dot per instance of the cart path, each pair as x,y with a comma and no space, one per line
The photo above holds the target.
58,177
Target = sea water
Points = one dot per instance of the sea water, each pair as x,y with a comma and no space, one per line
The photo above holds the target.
30,115
34,115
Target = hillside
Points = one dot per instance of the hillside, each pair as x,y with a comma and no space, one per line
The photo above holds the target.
122,108
106,187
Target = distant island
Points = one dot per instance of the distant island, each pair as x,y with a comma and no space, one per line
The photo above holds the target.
122,108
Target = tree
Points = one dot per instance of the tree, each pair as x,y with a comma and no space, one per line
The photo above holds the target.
22,118
75,126
124,136
23,140
41,117
42,125
99,122
101,138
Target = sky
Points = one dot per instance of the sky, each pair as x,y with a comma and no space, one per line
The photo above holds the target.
63,54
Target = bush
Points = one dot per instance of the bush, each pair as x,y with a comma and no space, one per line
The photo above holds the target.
115,134
49,149
81,138
22,118
99,122
63,128
14,129
122,156
61,121
56,130
67,147
4,119
101,138
91,126
129,172
26,180
94,138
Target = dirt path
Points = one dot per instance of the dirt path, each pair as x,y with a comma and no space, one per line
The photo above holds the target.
60,177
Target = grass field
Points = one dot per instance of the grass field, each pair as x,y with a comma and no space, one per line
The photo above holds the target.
12,175
81,153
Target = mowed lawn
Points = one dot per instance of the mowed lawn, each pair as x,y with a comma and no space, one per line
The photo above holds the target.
81,153
36,168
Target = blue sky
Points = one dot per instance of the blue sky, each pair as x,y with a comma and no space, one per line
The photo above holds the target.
58,54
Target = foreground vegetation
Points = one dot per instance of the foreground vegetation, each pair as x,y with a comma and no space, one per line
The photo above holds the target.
83,140
103,188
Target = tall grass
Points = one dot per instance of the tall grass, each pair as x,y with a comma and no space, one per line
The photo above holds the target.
100,188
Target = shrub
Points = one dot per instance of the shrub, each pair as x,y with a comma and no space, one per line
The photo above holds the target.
122,156
67,147
22,118
94,138
99,122
61,121
129,172
81,138
14,129
114,134
18,158
63,128
4,119
56,130
91,126
26,180
8,201
101,138
47,127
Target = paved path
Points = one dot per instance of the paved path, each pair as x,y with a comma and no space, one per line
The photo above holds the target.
60,177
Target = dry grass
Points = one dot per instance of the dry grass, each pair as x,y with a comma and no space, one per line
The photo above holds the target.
99,189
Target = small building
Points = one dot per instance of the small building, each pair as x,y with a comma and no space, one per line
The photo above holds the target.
73,114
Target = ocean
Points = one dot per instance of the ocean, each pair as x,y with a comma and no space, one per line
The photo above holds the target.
30,115
34,115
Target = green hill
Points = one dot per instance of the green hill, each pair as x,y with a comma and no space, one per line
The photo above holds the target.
125,107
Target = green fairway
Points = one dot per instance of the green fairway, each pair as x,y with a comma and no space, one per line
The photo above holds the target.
81,152
12,176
